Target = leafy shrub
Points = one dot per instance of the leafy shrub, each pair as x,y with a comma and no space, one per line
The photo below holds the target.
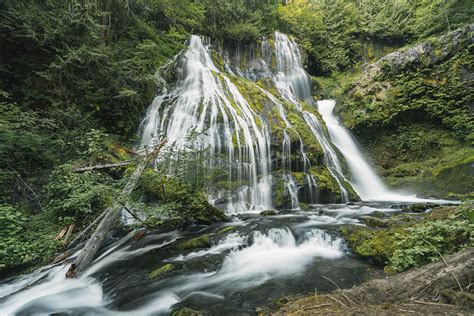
76,197
429,241
12,249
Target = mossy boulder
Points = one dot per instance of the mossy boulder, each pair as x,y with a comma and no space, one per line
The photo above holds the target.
157,273
411,240
196,243
376,245
419,207
268,213
374,221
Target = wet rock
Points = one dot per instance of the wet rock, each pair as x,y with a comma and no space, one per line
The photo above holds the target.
268,213
186,312
226,230
419,207
374,222
378,214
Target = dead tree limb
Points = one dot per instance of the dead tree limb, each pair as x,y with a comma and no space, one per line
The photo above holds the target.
68,233
112,215
26,186
86,230
104,166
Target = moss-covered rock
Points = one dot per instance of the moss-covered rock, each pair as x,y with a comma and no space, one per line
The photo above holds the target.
226,230
412,112
186,312
374,221
196,243
268,213
159,272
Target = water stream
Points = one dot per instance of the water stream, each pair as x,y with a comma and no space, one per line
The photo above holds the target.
258,260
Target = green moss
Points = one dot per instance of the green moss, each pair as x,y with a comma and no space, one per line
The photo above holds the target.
278,191
226,230
157,273
374,222
218,60
313,148
195,243
378,245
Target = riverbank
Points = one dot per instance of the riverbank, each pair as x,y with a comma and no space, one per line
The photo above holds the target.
441,287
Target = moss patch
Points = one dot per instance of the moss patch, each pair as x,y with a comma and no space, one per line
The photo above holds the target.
157,273
196,243
226,230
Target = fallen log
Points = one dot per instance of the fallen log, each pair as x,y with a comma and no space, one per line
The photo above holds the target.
104,166
112,215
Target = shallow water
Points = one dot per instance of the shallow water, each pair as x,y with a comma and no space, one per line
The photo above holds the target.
262,259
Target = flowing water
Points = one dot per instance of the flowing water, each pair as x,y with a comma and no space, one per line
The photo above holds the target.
257,260
252,260
364,179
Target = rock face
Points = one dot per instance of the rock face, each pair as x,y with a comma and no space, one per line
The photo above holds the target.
412,112
422,55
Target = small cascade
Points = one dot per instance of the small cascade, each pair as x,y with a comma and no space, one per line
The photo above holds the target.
294,85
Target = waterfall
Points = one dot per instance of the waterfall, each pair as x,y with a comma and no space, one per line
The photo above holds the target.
365,181
294,85
205,101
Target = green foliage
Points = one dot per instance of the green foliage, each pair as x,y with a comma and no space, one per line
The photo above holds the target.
326,30
170,198
24,241
77,197
243,21
429,241
405,242
12,250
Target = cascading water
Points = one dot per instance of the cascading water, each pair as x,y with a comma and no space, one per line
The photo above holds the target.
246,262
364,179
206,102
294,85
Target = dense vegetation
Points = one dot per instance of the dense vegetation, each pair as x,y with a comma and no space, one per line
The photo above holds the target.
76,77
405,241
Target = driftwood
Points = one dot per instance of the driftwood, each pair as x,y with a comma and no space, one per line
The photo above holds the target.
61,233
104,166
112,215
68,234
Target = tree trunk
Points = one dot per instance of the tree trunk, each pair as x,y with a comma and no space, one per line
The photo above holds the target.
111,217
